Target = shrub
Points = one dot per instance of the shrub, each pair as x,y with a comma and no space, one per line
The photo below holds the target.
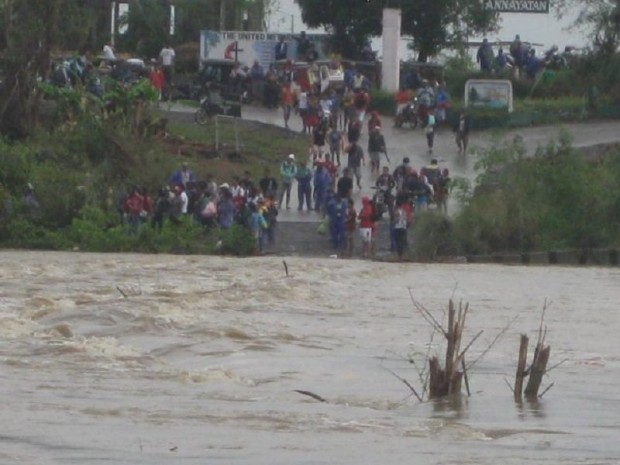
555,200
432,236
382,101
237,240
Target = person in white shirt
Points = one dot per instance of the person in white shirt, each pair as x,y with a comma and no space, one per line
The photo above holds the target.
302,107
167,57
108,53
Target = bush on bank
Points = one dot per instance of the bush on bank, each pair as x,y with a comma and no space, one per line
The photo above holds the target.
555,200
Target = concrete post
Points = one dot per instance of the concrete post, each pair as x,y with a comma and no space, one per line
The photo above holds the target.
390,67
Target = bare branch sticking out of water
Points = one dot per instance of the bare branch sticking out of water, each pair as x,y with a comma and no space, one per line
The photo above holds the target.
118,288
426,314
542,334
465,377
130,290
310,394
556,365
490,346
509,385
285,267
546,389
406,383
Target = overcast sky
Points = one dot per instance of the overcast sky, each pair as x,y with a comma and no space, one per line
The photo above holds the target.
540,28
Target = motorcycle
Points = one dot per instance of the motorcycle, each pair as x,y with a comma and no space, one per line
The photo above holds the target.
207,110
408,115
212,104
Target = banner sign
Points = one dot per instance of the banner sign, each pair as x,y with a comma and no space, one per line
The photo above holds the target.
489,93
517,6
247,46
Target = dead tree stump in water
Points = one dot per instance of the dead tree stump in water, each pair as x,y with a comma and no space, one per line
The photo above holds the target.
537,369
445,382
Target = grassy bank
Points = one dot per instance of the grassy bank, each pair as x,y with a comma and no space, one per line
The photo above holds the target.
81,166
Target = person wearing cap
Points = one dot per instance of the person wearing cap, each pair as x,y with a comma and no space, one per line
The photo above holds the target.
288,170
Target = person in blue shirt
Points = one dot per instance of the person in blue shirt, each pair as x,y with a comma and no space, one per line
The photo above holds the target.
337,208
304,186
322,183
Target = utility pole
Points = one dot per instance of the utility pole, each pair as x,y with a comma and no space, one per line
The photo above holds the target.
222,15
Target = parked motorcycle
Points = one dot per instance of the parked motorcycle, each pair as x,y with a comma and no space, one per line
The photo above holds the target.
208,108
408,115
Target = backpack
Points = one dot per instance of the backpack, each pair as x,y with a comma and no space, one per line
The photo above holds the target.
210,210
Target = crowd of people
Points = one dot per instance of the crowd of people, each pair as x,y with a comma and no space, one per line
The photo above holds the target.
521,59
323,187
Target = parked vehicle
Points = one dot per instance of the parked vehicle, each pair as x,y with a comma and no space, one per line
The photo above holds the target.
216,74
212,104
408,115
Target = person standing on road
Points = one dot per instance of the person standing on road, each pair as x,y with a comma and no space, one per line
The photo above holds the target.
429,130
344,187
376,146
399,225
335,138
167,56
355,161
461,130
288,102
304,186
288,170
268,184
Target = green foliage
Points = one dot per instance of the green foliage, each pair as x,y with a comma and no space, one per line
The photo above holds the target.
432,236
434,24
439,24
382,101
555,200
238,240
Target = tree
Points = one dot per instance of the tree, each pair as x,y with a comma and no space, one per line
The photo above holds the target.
351,23
433,24
31,30
439,24
600,17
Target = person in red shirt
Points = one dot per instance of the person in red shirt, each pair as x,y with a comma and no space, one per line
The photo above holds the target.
367,224
134,205
288,102
402,98
158,80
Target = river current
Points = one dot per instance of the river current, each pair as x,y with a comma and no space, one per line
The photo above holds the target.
156,359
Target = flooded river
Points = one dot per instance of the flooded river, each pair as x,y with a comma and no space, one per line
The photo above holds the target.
131,359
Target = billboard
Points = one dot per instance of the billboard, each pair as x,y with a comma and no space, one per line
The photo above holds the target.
517,6
247,46
489,93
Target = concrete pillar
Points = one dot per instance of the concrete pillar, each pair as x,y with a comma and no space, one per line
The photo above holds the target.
390,69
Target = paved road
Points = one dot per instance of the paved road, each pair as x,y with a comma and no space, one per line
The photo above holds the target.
412,143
